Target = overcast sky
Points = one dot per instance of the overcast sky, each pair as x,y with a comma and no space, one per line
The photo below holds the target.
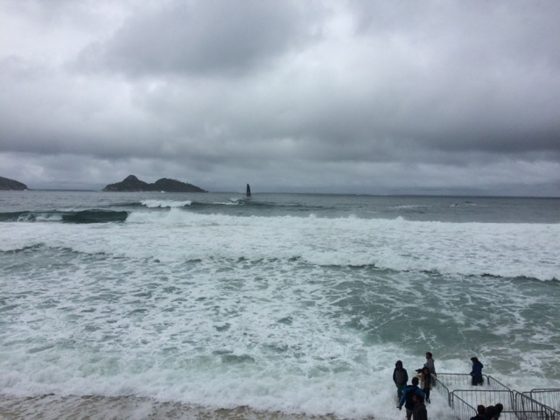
321,96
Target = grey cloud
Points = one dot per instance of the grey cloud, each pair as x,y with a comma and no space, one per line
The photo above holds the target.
482,33
202,37
401,93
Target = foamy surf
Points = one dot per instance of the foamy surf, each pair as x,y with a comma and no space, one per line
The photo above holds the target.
165,203
268,307
490,249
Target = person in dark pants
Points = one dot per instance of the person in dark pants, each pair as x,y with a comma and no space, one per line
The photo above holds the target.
476,372
407,397
426,382
419,411
400,378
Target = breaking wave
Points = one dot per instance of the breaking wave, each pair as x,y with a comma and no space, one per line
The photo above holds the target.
165,203
489,249
77,216
217,205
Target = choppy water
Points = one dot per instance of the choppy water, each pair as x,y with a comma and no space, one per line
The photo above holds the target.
284,303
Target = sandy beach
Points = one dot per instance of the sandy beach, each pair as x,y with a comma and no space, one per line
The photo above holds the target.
51,406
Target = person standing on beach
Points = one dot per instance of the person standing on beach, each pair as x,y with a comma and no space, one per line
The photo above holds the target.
426,382
476,372
400,378
407,397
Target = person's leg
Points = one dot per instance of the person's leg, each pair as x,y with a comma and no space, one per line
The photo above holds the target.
408,414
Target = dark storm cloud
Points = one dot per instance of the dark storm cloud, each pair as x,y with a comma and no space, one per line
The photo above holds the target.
297,94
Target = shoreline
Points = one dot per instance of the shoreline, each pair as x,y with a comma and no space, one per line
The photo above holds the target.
53,406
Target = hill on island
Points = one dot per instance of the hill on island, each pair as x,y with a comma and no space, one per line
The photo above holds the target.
11,184
132,183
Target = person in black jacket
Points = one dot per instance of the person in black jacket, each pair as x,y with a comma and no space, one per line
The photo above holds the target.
499,408
400,378
481,413
476,372
491,413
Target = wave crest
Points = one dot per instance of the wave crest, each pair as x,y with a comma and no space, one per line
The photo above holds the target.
75,216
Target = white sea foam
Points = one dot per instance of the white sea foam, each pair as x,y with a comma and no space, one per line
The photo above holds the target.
165,203
497,249
278,313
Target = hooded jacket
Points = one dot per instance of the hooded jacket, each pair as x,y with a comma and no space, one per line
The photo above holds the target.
400,377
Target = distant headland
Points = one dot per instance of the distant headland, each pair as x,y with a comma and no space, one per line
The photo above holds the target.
132,183
11,184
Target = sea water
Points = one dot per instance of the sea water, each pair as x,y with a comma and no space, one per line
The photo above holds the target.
279,304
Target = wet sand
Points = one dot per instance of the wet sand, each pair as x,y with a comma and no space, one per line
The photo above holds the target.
92,407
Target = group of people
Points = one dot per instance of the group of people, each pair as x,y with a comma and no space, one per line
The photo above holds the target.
414,397
492,412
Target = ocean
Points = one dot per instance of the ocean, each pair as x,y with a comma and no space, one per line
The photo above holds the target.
147,305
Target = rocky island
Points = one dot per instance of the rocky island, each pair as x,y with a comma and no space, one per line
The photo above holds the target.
132,183
11,184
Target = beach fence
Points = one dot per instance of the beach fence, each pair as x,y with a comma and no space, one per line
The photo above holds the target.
463,398
547,396
531,409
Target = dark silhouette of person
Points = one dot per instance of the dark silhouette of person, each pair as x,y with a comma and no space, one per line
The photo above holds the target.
419,411
430,364
499,408
426,382
491,413
407,399
476,372
480,413
400,378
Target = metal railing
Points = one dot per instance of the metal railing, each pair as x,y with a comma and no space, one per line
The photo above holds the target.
487,397
441,387
463,380
547,396
528,408
463,398
462,409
